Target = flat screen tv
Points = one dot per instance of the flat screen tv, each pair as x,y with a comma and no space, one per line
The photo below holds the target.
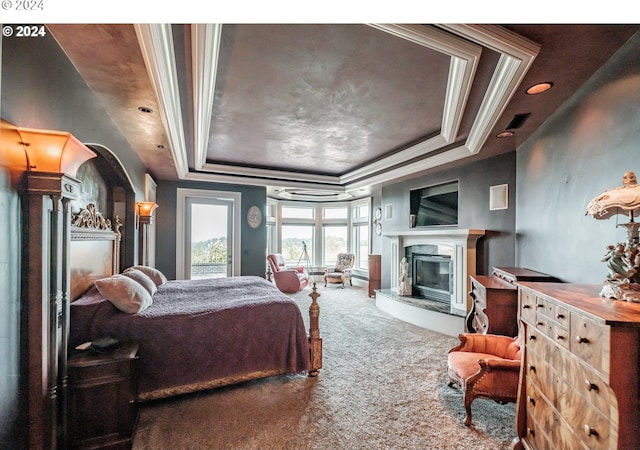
436,205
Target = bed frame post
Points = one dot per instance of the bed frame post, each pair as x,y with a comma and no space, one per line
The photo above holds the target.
315,340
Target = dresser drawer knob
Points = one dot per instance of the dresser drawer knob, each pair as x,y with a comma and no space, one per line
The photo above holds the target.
531,432
540,324
526,306
531,400
532,368
589,431
582,340
532,337
559,316
559,337
591,386
539,305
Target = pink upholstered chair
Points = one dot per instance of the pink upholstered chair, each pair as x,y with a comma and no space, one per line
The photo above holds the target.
485,365
288,279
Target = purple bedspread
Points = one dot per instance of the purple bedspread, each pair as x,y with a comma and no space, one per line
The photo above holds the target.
202,330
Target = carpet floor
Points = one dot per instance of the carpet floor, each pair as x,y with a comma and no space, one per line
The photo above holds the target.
383,385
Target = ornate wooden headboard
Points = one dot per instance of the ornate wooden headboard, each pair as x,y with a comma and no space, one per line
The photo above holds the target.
95,249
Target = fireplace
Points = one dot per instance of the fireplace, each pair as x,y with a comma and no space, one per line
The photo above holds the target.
456,246
432,277
451,258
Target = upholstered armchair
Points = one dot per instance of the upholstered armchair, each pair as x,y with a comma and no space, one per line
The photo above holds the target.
342,271
288,279
485,365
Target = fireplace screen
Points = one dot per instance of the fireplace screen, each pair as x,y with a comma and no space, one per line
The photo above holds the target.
432,277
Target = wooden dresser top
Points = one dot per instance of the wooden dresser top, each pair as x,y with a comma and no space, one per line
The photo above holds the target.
586,299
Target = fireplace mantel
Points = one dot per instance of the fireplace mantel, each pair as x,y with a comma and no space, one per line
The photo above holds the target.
463,245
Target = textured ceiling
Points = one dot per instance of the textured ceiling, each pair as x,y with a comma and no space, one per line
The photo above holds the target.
332,109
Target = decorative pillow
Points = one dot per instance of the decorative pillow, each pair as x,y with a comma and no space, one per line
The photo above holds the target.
126,294
143,279
158,277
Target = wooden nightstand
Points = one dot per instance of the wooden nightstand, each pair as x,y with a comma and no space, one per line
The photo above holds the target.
102,398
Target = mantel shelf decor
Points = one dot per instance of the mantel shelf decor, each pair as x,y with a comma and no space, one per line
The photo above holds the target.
622,259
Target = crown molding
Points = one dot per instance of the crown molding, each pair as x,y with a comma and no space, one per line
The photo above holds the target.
463,43
156,44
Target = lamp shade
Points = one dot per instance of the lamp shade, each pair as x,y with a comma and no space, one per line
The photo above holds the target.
146,209
620,200
53,151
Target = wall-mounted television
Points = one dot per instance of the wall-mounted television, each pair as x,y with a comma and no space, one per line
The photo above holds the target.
433,206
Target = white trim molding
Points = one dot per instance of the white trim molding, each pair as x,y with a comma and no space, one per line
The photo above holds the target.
463,43
182,194
462,245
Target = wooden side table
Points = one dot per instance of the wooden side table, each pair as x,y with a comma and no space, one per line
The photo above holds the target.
494,308
102,397
374,274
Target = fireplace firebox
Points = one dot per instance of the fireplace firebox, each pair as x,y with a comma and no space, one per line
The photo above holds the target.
432,277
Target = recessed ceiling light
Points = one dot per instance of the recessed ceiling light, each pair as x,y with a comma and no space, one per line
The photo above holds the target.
144,109
505,134
540,88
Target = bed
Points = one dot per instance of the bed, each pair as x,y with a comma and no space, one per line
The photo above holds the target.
195,334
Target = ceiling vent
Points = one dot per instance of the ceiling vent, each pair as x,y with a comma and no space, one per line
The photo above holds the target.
517,121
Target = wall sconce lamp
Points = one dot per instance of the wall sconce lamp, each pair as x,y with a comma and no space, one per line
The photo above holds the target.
145,219
35,150
145,211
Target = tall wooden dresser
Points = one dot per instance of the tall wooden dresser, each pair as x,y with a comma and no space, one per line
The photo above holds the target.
579,381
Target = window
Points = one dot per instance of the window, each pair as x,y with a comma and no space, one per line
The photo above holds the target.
297,244
298,212
341,212
360,234
325,229
361,244
334,242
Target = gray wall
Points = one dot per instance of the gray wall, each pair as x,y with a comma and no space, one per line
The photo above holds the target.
497,247
40,89
582,150
253,241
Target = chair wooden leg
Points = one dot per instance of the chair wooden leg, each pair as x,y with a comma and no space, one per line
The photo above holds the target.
468,399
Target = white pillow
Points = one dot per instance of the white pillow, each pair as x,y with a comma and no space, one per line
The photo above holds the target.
143,279
158,277
126,294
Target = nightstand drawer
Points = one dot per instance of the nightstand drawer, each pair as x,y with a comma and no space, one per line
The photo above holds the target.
100,373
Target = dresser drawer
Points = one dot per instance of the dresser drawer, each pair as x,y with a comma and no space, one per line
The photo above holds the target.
555,312
541,375
555,331
588,424
588,383
539,417
588,339
545,429
527,306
